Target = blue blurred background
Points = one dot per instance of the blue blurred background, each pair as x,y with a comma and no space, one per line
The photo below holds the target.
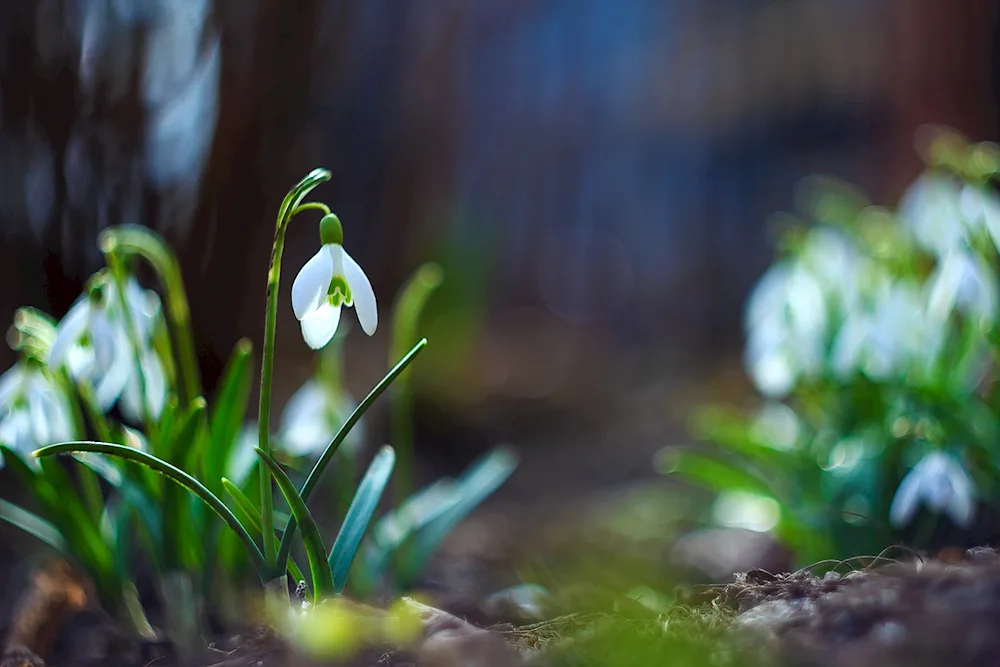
595,176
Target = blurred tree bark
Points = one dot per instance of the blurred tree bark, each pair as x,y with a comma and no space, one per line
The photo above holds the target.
176,115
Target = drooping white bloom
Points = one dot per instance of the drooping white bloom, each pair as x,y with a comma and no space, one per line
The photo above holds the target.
92,348
933,211
330,280
786,320
963,281
939,482
891,337
980,208
93,343
33,410
311,419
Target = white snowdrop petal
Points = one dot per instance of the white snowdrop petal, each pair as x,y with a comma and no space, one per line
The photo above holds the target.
319,326
105,338
307,402
243,458
10,382
155,385
69,331
904,503
303,429
364,295
312,283
115,376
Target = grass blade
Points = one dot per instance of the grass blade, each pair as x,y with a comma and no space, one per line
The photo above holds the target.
359,515
32,524
717,475
175,475
181,526
322,578
252,518
229,411
406,314
317,471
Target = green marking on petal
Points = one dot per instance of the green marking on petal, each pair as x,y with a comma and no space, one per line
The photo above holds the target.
339,292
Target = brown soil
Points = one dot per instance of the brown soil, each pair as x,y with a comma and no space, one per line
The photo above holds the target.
864,613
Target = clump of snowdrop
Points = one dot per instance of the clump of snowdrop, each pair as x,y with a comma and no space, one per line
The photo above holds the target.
940,483
34,411
328,282
96,344
791,313
879,332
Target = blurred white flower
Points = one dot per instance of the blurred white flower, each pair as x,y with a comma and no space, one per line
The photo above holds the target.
311,419
931,209
939,482
92,348
330,280
961,280
154,384
242,457
92,342
786,324
891,337
33,410
980,208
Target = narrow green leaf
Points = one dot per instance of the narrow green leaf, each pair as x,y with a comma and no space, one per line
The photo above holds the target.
174,474
182,523
229,409
81,530
135,496
184,445
397,527
322,578
359,515
317,471
481,479
716,475
32,524
251,516
406,311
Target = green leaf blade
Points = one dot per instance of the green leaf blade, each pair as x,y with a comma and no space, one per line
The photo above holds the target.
317,471
322,578
359,515
174,474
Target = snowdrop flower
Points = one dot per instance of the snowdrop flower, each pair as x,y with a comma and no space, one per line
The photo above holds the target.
92,342
311,419
330,280
961,280
980,208
942,484
33,411
887,339
154,382
932,209
92,347
786,322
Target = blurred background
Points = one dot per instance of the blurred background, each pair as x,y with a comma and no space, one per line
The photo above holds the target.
595,177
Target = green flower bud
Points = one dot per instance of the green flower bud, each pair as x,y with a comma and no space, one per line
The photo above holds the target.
330,230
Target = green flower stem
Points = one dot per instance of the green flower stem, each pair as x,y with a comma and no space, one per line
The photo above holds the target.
140,241
289,207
